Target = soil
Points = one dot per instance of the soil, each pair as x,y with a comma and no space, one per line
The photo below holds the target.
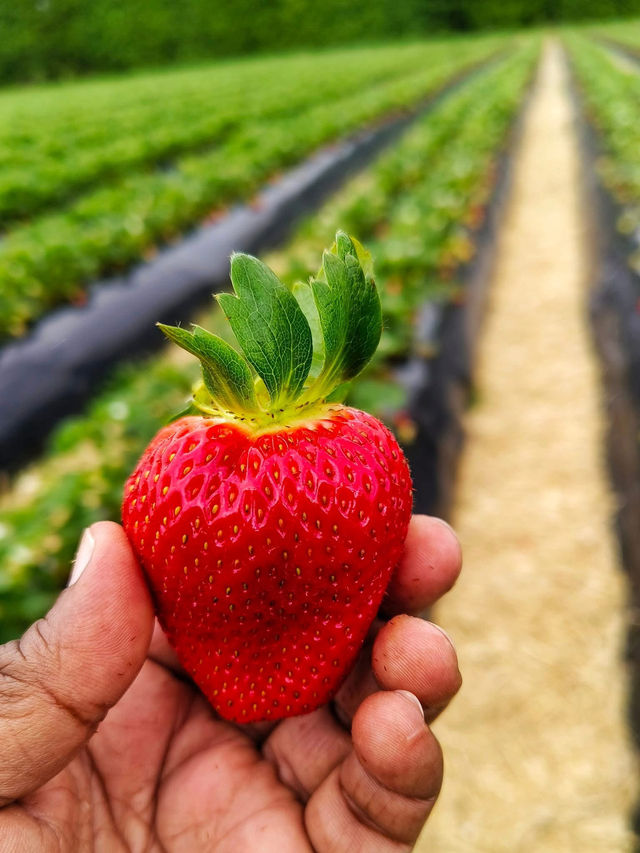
538,755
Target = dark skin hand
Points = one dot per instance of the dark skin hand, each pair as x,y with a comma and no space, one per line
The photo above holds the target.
160,772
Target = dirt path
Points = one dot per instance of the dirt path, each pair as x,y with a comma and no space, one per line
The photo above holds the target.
536,749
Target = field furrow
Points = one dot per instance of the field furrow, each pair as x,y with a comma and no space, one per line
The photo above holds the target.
538,732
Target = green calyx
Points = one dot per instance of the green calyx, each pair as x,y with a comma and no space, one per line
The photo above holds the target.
297,345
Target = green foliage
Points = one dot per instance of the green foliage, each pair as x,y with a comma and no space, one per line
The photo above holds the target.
59,140
349,311
57,38
276,338
472,15
291,106
612,93
624,32
270,327
62,37
226,375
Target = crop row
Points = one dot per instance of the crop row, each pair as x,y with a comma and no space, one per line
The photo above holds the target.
92,135
611,93
52,259
625,33
416,208
417,211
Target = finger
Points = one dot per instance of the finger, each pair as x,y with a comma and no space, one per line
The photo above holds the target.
414,655
358,684
407,653
304,750
380,795
430,566
161,651
59,680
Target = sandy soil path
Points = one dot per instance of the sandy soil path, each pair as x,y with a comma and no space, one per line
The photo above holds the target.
537,756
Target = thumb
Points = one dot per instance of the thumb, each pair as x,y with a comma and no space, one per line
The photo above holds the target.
58,681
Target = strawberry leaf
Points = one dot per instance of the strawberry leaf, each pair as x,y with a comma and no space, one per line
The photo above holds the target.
349,309
270,327
304,295
305,344
226,374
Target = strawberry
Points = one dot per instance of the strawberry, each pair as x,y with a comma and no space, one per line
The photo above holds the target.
269,523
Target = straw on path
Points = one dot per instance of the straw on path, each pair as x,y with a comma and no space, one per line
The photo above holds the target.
537,755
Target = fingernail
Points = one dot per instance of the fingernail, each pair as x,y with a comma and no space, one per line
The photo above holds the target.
83,555
446,524
411,697
444,634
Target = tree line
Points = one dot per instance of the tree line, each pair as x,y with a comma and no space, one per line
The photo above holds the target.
42,39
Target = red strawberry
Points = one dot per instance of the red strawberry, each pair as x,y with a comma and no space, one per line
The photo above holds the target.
269,524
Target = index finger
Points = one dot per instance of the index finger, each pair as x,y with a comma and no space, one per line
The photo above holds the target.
429,567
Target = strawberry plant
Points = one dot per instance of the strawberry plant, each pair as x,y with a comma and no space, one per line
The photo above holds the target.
268,524
101,130
611,94
52,258
625,33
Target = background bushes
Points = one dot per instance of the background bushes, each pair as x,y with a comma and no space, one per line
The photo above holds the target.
57,38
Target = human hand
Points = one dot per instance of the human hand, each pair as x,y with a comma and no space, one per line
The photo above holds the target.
164,773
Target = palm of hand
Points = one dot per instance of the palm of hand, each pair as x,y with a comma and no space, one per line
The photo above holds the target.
164,773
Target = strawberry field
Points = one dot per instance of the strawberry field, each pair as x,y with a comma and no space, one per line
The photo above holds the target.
462,138
102,179
100,194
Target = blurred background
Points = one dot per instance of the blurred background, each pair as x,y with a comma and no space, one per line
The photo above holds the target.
488,154
61,38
